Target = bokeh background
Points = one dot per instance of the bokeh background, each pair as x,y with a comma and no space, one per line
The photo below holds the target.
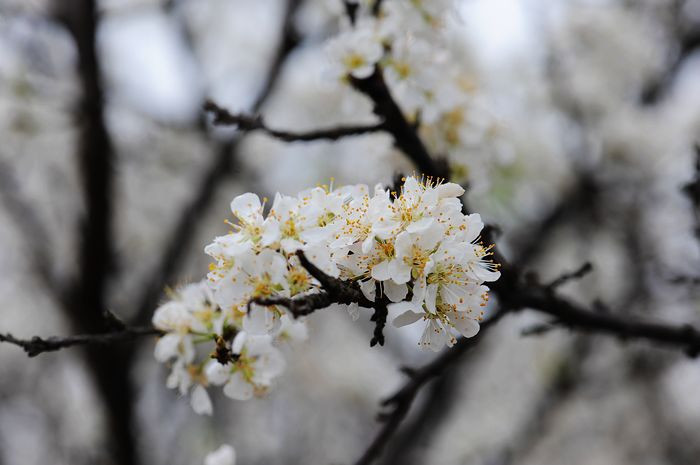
595,107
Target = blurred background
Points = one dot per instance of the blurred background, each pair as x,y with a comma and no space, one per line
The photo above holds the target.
593,110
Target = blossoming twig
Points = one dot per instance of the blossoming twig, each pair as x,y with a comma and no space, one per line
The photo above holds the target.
256,123
335,291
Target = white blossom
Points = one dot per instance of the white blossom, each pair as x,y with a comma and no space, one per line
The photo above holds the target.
224,455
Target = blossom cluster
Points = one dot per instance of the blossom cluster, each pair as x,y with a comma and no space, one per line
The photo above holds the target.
408,41
414,250
244,364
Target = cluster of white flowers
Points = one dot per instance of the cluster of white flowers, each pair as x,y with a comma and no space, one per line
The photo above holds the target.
408,40
192,320
414,249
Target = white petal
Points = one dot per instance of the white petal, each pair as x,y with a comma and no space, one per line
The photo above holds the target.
430,236
271,232
467,327
419,286
367,244
449,189
395,292
420,225
224,455
167,347
399,271
483,274
246,206
238,388
217,373
369,289
260,320
200,401
268,366
238,342
403,244
474,227
354,311
430,297
434,337
380,271
407,318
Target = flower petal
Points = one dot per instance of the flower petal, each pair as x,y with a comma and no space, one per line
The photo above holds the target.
238,388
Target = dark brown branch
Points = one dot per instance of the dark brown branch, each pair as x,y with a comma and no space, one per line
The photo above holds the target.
379,319
571,315
400,402
255,123
333,291
37,345
86,303
405,135
298,306
343,291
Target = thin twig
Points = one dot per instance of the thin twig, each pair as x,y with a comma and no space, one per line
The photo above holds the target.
37,345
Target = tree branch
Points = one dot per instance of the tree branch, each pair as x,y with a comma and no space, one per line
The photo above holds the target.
333,291
255,123
405,135
568,314
37,345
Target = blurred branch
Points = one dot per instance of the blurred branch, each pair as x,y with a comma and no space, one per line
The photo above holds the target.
248,123
568,314
579,273
377,7
692,190
183,232
405,134
559,389
29,225
687,42
37,345
417,435
582,197
400,402
86,303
